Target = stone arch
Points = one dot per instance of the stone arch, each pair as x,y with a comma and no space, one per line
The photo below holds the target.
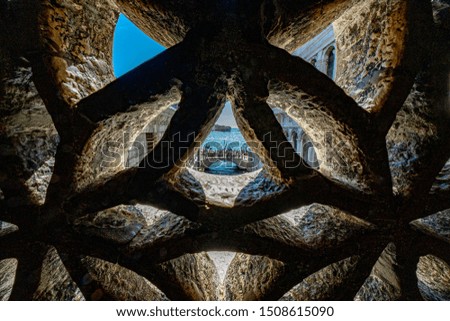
330,61
287,215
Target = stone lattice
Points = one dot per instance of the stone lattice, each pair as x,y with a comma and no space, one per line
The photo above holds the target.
371,223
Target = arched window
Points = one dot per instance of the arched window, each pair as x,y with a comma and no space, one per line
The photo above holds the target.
330,59
295,141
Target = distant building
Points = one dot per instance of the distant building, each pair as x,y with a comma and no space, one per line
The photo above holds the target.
320,52
297,137
149,137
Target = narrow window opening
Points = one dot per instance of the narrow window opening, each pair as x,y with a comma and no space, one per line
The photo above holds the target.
225,151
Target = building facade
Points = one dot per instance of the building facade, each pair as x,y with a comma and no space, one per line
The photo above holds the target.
321,53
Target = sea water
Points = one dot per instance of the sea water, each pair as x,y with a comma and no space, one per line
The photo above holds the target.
220,140
232,139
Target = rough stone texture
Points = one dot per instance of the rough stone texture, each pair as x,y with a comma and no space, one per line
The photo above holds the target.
414,130
422,121
167,227
29,141
276,228
7,276
194,186
77,39
222,261
159,20
324,284
120,283
141,146
290,24
433,276
226,191
383,284
340,152
118,225
320,226
194,275
371,41
437,225
225,55
285,24
442,183
7,228
262,187
55,283
106,152
28,138
251,277
151,214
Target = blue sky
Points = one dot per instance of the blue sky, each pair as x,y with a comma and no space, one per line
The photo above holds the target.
132,47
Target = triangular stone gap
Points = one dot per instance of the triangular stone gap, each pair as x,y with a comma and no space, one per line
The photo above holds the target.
131,46
320,52
297,137
225,151
442,182
149,137
214,175
222,260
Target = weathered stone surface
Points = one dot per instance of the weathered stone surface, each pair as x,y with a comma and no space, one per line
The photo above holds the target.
442,183
167,227
115,136
29,139
74,39
418,139
226,191
324,284
371,39
190,183
77,39
7,228
120,283
320,226
289,25
383,284
55,283
437,225
286,25
433,276
339,148
165,21
262,187
151,214
277,228
251,278
222,261
142,145
7,276
414,130
194,275
119,224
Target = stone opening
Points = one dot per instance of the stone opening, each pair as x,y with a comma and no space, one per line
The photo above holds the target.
144,233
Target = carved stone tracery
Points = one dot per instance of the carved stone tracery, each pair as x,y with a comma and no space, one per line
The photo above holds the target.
380,131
